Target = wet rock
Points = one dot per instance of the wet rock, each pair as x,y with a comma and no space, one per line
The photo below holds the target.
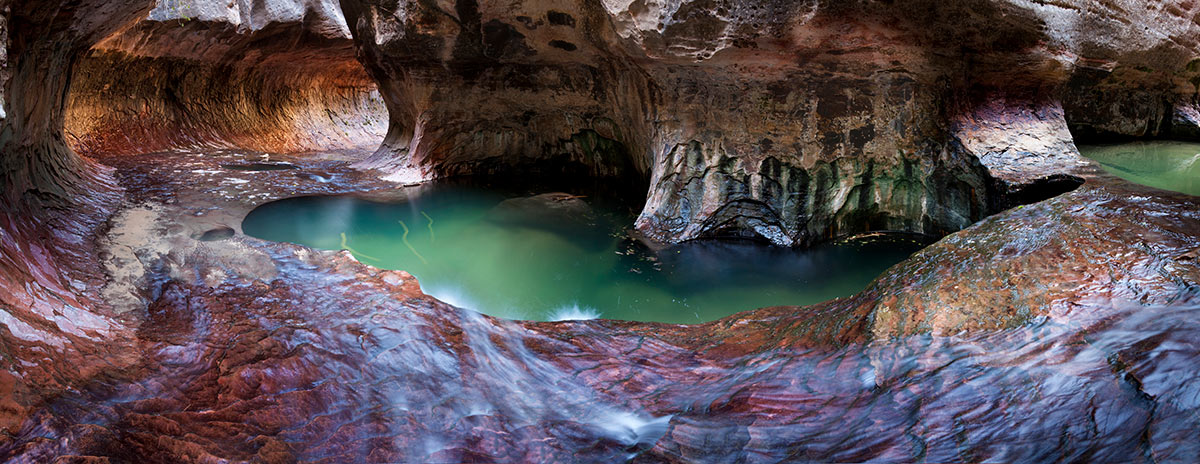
257,167
1185,122
1046,260
52,321
1024,144
558,208
39,169
1062,330
1050,315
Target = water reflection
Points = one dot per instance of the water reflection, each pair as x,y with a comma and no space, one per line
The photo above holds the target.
556,256
1168,165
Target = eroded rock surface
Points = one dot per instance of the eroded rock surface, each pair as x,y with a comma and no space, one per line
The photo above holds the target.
787,121
268,76
1002,341
557,208
51,203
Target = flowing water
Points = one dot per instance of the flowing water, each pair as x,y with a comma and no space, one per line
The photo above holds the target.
331,369
1168,165
558,256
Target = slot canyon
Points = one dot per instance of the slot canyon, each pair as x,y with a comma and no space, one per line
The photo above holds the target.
685,231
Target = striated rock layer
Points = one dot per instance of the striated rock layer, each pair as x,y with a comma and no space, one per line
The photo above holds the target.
55,334
279,76
118,85
791,121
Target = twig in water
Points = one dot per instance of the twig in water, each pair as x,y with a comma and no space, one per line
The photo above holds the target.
347,248
404,238
431,237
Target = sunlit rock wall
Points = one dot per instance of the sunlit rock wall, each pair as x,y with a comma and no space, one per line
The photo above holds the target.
45,41
269,76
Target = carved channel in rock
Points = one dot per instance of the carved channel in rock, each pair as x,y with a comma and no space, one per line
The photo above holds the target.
139,92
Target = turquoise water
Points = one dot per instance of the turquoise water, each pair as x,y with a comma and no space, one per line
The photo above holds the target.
1163,164
569,258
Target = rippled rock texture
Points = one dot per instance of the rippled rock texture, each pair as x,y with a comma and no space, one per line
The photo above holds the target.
119,83
1004,341
56,335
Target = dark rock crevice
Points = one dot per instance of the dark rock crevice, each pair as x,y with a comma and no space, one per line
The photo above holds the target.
1108,106
1040,189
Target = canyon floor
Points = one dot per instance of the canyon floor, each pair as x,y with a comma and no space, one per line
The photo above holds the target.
1060,329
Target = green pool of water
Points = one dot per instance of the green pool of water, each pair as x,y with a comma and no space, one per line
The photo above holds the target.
569,258
1167,165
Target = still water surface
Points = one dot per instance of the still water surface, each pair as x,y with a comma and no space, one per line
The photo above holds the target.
562,257
1164,164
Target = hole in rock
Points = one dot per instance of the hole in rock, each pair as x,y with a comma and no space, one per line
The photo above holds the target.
1044,189
568,46
217,234
555,255
1163,164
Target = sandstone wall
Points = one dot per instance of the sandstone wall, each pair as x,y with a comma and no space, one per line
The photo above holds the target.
3,58
274,76
791,121
45,41
47,255
787,120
